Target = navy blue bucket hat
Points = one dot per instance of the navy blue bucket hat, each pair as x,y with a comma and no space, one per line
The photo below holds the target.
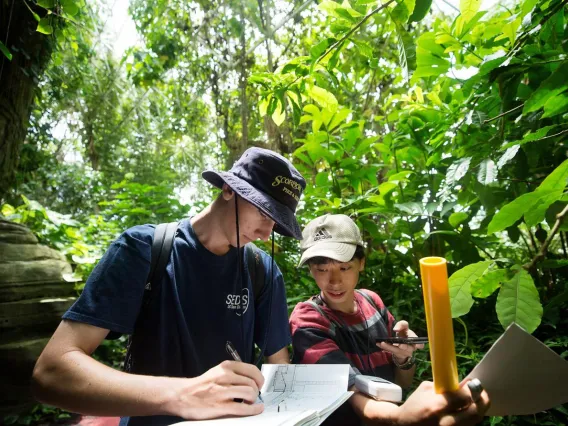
270,182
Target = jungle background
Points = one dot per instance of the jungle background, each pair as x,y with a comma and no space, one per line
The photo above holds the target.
440,128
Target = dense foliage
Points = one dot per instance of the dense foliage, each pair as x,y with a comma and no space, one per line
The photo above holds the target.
441,135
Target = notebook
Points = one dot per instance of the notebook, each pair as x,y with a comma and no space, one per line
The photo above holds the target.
295,395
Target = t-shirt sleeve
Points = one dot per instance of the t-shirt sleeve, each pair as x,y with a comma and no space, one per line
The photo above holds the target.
313,342
113,292
275,316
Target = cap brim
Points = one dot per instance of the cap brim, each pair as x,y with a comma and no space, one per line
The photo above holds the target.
284,218
342,252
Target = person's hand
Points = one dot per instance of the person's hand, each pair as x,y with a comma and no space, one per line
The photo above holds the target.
401,351
213,393
427,408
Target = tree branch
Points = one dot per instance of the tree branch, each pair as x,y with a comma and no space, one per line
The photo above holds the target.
540,255
355,28
503,114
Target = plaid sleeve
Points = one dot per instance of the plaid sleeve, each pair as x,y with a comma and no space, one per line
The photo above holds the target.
313,340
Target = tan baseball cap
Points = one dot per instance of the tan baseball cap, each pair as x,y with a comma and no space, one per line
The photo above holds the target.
335,236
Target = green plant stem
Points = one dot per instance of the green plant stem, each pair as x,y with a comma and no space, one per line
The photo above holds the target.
543,249
355,28
526,242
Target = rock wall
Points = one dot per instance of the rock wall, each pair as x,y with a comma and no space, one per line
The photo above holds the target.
33,296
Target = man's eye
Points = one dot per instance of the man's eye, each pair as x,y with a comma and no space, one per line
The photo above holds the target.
264,216
346,268
321,270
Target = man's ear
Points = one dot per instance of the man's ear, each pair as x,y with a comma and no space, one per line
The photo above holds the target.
361,264
228,193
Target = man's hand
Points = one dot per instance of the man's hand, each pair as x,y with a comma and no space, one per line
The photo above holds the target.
213,393
401,351
425,407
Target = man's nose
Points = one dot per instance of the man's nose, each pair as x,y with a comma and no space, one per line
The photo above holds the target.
335,276
265,230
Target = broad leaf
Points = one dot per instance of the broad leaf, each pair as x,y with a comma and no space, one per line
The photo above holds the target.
420,10
530,137
486,285
459,287
324,98
551,87
44,26
468,9
518,301
512,212
556,180
456,218
538,210
457,170
279,115
406,51
508,156
487,172
556,105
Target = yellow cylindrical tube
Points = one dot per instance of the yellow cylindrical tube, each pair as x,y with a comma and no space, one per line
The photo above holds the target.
439,321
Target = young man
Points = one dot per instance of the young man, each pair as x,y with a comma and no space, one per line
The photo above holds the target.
341,325
180,367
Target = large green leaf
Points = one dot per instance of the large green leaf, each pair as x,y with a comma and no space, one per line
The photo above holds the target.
488,283
551,87
457,170
530,137
324,98
487,172
406,51
402,11
512,212
456,218
420,10
518,301
556,105
459,287
538,210
556,180
44,26
469,8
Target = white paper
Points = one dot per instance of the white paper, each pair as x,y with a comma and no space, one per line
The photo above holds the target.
298,394
521,375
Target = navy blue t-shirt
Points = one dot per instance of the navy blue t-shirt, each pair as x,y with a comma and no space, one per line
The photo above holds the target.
196,309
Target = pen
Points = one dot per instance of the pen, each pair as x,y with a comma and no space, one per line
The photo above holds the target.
233,352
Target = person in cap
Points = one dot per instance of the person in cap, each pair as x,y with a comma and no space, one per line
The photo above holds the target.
180,368
341,324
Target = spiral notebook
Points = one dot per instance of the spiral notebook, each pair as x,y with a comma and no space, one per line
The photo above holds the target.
293,395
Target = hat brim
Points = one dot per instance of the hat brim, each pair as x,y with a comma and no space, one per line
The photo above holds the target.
284,218
342,252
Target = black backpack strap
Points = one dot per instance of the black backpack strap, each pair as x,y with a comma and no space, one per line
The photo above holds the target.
164,236
256,270
369,299
162,244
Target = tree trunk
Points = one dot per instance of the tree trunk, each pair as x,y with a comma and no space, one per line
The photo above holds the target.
243,84
19,79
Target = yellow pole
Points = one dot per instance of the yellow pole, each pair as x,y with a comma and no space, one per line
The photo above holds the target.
439,321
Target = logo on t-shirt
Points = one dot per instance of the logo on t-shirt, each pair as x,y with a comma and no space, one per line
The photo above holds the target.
322,234
234,301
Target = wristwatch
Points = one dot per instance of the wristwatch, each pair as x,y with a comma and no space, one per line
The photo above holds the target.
406,365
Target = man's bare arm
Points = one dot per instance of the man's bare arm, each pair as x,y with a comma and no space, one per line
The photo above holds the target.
67,376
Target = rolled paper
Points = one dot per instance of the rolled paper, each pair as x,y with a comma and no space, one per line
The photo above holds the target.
439,322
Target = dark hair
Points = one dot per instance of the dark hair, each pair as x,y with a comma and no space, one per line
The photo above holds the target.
320,260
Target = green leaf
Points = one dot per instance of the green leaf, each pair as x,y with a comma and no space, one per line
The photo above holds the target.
456,218
402,11
529,137
406,51
556,180
279,114
538,210
518,302
420,10
324,98
70,7
511,212
486,285
321,47
556,105
8,210
468,9
457,170
551,87
459,287
5,51
508,156
48,4
44,26
487,172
